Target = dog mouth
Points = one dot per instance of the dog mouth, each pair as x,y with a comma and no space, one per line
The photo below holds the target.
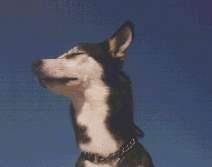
45,79
53,80
63,79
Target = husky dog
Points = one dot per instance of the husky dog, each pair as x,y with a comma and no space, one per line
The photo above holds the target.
91,76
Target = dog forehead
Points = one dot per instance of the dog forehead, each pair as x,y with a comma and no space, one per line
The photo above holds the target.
75,49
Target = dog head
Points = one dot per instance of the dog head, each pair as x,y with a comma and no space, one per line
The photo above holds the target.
85,64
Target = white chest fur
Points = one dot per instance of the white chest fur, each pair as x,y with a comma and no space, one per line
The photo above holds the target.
92,113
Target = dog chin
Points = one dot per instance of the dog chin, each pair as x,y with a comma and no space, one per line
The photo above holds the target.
65,89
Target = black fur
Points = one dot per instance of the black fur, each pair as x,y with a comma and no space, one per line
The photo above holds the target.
120,121
80,131
120,100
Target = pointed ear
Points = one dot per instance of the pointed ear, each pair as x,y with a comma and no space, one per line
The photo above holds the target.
120,40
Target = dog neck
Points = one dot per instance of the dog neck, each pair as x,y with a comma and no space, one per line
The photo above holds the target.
91,111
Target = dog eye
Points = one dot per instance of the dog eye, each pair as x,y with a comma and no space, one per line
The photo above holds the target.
72,55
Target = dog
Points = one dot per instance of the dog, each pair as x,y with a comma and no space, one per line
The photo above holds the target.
92,77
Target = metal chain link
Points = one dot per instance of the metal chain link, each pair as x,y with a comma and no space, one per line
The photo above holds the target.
116,156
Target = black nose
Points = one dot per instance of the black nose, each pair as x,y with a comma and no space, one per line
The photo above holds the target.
37,64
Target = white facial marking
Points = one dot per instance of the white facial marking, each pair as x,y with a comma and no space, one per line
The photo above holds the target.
75,50
71,51
82,67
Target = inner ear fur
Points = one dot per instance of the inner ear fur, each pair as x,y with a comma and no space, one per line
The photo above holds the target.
121,40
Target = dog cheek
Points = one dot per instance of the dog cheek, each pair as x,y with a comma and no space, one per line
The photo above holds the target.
85,81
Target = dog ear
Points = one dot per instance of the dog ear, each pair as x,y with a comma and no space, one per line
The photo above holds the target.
120,40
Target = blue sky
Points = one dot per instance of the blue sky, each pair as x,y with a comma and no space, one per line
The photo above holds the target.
170,64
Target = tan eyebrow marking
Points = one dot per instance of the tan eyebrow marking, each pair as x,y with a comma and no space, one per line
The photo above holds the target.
72,55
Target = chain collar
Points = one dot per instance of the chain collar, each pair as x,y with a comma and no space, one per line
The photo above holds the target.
116,156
